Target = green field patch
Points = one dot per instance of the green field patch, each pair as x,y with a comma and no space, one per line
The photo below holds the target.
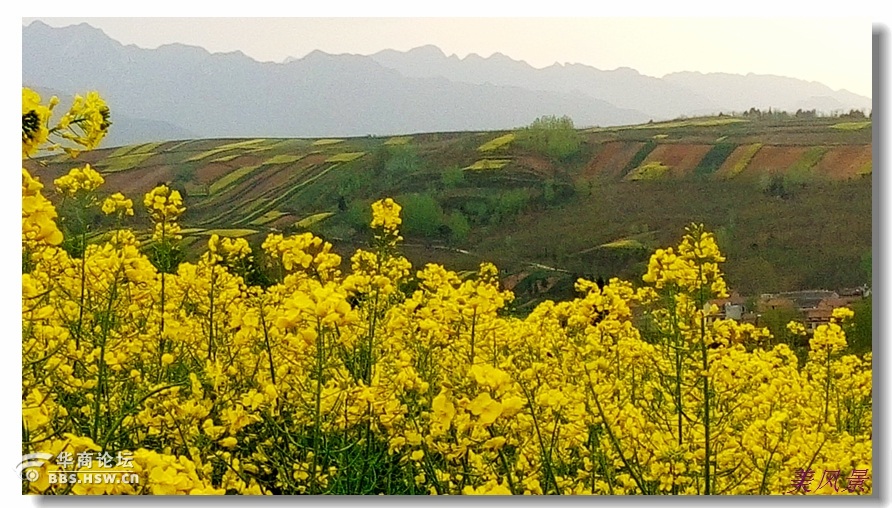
660,136
307,222
801,169
192,231
318,171
267,218
281,145
487,164
866,169
196,190
177,146
229,233
703,122
254,205
123,162
345,157
714,158
744,161
230,179
188,241
226,158
224,148
649,171
259,148
674,124
497,143
624,243
246,212
398,140
55,159
124,150
146,148
851,126
325,142
283,159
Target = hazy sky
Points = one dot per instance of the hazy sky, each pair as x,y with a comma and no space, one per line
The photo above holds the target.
836,52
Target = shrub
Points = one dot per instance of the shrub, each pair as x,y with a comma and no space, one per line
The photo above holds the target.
551,136
422,215
459,227
452,177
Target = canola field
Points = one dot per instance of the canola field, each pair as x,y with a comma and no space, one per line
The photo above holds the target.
372,376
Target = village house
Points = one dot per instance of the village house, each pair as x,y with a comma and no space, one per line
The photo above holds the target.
815,306
733,307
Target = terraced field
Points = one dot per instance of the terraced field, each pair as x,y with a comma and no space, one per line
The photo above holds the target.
503,192
681,159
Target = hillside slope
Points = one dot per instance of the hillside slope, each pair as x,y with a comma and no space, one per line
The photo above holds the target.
790,201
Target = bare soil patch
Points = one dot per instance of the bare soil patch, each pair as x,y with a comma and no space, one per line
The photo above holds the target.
612,158
682,159
844,161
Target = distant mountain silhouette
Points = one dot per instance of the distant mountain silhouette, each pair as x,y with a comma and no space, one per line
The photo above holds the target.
623,87
738,93
178,90
682,93
228,95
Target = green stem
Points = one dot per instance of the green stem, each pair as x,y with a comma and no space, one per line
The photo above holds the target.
549,474
211,316
269,351
163,262
80,319
676,339
473,331
317,416
827,390
610,434
705,356
373,322
101,381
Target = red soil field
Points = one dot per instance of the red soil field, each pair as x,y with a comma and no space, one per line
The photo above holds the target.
282,222
135,184
773,159
612,158
843,162
213,171
536,164
681,158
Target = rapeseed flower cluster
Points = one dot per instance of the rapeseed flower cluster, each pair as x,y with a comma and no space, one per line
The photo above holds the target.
117,204
165,205
381,377
84,125
35,117
77,180
87,121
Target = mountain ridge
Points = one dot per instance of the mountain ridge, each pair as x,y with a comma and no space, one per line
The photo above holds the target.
229,94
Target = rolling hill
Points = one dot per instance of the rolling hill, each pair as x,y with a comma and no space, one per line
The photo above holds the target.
790,200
